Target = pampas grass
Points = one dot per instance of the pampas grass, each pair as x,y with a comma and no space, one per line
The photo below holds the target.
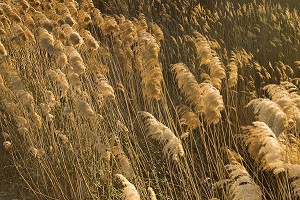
151,72
294,175
287,101
85,109
188,117
151,93
208,56
270,113
46,40
73,38
233,71
129,190
89,40
204,98
3,51
152,194
75,59
264,147
60,78
156,130
7,145
241,185
189,86
124,165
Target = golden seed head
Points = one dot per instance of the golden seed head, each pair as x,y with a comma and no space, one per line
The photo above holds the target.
7,145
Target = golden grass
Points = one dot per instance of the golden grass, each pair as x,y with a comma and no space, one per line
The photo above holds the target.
151,93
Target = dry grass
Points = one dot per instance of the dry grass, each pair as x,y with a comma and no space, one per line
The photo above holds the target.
151,93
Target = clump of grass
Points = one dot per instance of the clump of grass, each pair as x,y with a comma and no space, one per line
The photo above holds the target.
75,75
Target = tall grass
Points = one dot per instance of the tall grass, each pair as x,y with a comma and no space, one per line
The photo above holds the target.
150,99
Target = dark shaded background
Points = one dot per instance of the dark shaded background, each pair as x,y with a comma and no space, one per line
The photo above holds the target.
290,3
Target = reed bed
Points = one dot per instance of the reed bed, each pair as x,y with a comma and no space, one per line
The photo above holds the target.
151,99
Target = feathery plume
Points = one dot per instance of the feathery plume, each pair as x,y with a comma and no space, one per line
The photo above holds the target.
156,32
89,40
152,194
291,144
24,5
209,57
151,73
37,153
73,7
59,77
29,21
270,113
42,20
109,25
97,17
141,23
2,29
25,98
59,54
22,34
46,40
293,92
264,147
124,165
74,81
62,137
276,91
36,119
128,32
87,5
102,150
63,11
7,145
233,71
71,35
50,99
294,176
75,60
242,185
3,51
203,49
188,117
213,103
9,106
189,86
46,109
83,18
10,13
196,94
216,71
129,190
287,101
158,131
106,91
85,109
